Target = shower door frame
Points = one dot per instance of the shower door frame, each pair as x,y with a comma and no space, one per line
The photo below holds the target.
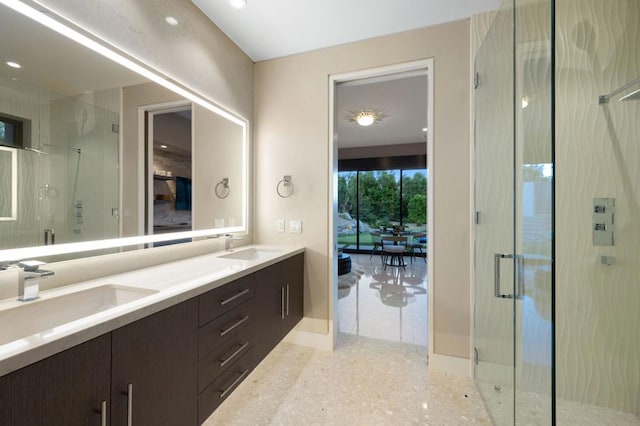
515,256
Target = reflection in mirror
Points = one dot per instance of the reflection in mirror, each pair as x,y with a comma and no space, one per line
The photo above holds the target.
8,183
81,172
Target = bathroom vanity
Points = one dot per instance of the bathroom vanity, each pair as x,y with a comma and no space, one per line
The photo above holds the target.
169,356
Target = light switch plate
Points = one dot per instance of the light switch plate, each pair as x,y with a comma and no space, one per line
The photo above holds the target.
280,225
295,226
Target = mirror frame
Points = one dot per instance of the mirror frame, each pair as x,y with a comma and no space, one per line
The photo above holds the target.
65,27
14,183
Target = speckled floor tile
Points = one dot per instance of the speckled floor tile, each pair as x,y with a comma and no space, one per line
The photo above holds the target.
363,382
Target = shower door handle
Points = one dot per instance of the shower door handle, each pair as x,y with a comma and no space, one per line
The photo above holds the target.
519,265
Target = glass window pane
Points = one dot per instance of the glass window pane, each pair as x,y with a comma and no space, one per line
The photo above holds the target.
347,209
414,199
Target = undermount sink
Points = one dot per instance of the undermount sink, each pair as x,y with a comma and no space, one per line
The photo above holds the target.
41,315
250,254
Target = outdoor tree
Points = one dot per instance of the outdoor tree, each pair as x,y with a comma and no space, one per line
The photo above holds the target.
417,209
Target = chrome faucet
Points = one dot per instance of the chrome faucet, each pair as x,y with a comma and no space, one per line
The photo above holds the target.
29,273
228,242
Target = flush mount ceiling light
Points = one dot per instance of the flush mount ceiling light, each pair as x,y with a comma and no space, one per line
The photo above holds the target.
366,117
163,146
238,4
13,64
171,20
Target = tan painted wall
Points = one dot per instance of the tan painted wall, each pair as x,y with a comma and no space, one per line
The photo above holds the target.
291,137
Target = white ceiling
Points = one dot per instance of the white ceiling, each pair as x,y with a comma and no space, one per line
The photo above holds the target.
403,99
267,29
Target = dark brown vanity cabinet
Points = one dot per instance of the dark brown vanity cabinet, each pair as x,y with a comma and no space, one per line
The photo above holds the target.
279,302
68,389
154,369
225,342
174,367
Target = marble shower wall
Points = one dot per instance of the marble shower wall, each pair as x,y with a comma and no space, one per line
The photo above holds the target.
597,155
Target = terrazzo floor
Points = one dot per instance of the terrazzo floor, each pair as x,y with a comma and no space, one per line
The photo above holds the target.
363,382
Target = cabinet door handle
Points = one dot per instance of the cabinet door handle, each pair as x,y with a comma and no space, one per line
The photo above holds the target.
103,413
287,305
232,385
282,302
232,298
129,394
228,329
233,355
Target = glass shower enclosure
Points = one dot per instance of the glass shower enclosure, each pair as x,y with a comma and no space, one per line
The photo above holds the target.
514,220
557,200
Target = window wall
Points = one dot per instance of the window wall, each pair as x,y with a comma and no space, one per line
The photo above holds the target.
371,200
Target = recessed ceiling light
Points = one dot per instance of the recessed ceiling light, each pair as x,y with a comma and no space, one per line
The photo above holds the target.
238,4
13,64
171,20
424,129
163,146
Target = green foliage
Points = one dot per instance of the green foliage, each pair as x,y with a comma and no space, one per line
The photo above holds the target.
417,209
380,197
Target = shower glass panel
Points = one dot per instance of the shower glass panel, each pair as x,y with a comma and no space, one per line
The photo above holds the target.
514,203
495,230
67,165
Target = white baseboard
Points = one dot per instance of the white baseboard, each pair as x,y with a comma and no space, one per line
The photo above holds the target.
450,364
322,342
312,333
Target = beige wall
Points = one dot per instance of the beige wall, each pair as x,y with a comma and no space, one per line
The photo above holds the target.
291,137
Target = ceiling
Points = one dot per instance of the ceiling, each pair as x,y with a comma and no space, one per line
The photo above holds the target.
267,29
402,97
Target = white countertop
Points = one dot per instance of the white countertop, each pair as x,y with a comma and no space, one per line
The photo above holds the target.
172,283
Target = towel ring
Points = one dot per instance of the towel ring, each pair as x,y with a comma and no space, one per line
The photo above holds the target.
285,183
222,188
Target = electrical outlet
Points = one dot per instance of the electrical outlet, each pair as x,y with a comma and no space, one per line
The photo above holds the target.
295,226
280,225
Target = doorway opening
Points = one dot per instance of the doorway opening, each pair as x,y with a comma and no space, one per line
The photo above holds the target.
169,145
381,192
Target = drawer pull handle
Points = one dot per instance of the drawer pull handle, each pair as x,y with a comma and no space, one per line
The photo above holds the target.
225,331
232,298
233,355
233,385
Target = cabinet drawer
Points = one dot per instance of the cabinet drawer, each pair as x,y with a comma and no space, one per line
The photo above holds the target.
223,328
225,298
214,394
223,357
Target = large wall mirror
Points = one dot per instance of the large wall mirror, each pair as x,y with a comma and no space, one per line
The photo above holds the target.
94,155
